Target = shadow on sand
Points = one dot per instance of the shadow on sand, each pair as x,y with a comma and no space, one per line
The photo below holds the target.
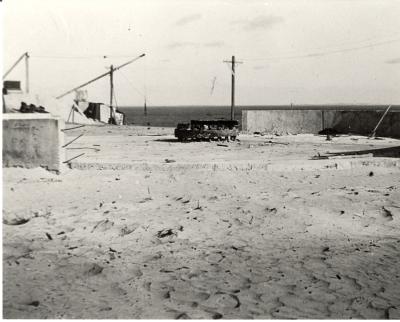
169,140
391,152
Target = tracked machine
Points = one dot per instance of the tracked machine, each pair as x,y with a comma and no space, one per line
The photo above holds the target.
207,130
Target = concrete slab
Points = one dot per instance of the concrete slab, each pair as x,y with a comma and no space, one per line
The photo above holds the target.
366,164
285,153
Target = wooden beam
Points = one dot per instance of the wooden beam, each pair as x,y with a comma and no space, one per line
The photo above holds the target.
100,76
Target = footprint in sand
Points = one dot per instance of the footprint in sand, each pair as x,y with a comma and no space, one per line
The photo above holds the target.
215,258
103,225
386,214
94,269
222,301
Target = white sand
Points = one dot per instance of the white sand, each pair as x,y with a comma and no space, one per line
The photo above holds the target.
201,244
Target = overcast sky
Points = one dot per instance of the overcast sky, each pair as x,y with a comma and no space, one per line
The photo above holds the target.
300,52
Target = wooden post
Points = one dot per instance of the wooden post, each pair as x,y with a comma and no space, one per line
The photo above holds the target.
4,103
379,122
27,72
233,89
13,66
111,92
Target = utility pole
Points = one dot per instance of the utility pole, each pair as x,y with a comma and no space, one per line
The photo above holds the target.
27,72
98,77
145,107
233,62
111,91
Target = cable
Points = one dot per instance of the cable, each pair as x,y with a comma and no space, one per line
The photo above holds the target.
79,57
138,91
324,53
333,46
373,39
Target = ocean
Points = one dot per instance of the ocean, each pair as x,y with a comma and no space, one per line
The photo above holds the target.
170,116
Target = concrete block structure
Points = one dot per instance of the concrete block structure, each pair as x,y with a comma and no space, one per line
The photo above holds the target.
363,122
283,122
33,140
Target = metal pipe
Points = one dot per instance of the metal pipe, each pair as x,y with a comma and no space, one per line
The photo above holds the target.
73,128
72,140
74,158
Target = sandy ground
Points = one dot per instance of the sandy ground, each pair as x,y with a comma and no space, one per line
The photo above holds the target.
154,146
184,243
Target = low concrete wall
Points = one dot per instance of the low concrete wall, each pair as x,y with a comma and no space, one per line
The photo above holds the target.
312,121
281,121
363,122
33,140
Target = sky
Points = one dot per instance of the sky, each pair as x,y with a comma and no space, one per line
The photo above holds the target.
299,52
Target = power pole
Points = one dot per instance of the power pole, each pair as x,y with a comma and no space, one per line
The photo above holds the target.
145,107
98,77
233,62
111,91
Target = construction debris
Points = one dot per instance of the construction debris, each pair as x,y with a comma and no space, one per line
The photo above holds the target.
343,156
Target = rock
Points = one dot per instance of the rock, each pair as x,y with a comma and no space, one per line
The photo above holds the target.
272,211
217,316
15,221
34,303
108,308
182,316
166,232
169,161
146,199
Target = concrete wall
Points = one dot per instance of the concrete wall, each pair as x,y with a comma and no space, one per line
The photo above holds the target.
363,122
312,121
281,121
33,140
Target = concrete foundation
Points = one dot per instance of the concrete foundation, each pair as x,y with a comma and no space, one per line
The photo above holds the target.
283,122
33,140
